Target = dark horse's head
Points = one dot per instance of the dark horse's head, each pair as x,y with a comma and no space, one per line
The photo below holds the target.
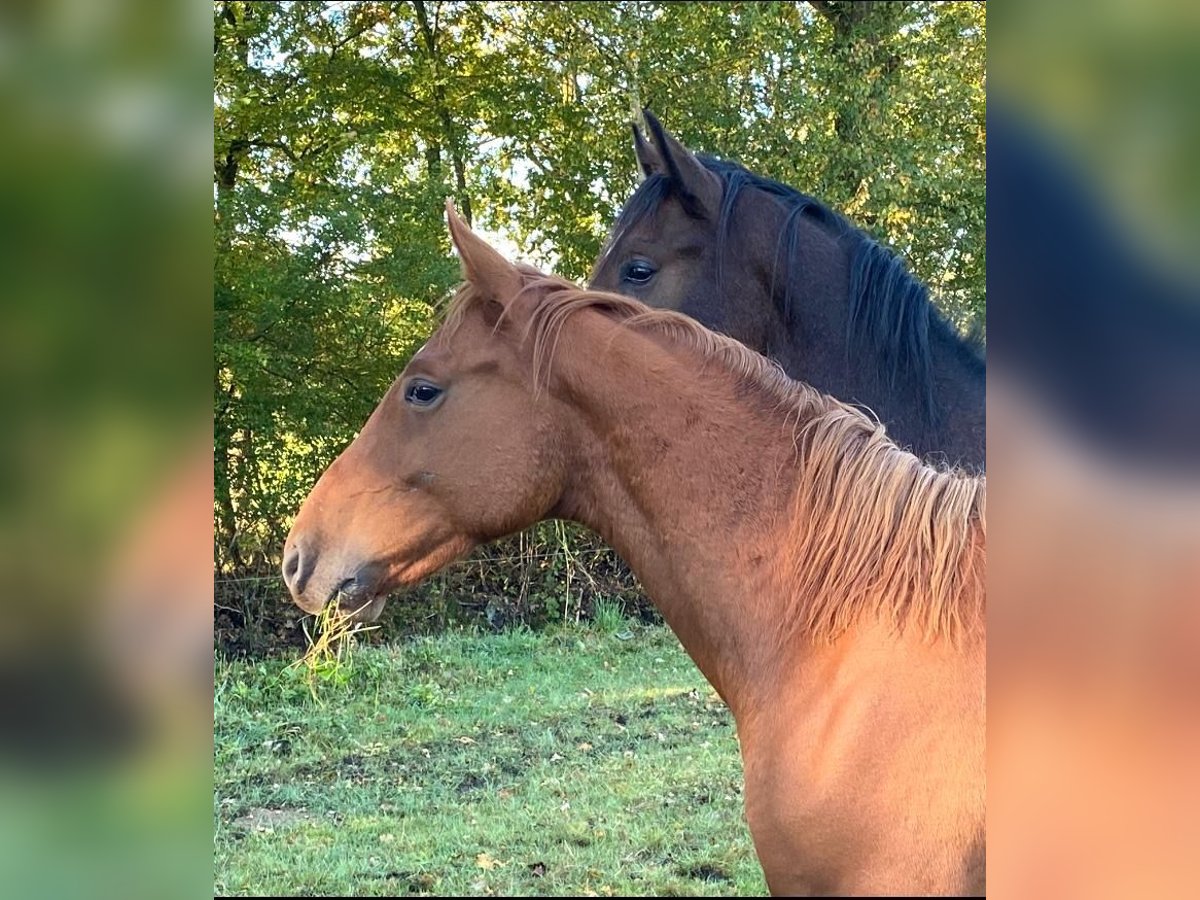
784,274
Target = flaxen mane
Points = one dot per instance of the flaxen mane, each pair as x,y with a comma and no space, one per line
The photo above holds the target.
876,530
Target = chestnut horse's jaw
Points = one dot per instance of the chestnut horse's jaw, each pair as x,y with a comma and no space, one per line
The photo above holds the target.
365,601
407,574
404,577
359,582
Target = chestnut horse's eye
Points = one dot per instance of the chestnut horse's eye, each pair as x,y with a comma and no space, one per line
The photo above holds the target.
422,393
637,271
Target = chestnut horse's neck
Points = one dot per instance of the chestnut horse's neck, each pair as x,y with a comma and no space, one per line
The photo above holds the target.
689,487
696,480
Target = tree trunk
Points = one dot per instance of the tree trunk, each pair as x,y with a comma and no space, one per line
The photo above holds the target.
434,151
226,553
860,31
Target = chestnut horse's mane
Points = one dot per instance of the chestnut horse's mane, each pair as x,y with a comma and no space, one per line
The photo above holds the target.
874,528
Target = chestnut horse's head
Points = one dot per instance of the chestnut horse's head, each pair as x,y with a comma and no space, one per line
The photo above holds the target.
459,452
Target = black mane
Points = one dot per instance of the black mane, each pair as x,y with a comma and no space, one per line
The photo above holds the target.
890,315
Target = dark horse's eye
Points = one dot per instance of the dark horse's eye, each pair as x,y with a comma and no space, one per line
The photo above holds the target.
422,393
637,271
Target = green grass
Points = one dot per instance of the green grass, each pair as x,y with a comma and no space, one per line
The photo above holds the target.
578,761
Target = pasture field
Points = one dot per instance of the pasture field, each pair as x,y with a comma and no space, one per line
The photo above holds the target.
589,760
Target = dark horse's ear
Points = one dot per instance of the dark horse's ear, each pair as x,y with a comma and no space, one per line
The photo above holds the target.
489,272
698,189
647,157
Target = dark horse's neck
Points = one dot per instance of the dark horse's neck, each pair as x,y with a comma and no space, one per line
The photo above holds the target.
855,324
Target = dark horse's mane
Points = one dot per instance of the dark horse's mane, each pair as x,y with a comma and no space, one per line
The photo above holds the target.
890,316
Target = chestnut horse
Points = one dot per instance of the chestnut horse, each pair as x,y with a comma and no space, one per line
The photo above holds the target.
828,584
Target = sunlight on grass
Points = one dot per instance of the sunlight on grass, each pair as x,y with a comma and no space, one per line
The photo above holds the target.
664,693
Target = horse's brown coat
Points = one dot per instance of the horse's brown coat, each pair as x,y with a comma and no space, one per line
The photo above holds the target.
829,585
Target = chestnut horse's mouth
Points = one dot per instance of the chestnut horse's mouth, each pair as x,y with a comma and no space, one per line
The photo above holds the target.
363,597
361,608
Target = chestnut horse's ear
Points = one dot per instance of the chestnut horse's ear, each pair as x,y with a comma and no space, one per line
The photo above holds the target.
698,189
493,275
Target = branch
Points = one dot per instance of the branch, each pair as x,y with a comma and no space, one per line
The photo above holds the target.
228,15
338,45
824,9
846,15
277,145
423,21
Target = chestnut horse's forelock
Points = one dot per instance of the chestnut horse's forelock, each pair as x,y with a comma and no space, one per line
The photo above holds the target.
875,529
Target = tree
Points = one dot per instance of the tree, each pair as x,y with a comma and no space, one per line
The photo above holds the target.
340,128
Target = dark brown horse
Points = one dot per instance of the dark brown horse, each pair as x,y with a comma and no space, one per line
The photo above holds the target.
828,584
790,278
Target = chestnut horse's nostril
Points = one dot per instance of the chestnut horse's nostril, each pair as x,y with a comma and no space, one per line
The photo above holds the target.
297,567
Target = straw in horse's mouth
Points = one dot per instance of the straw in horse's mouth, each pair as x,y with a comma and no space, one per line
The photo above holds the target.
331,640
352,607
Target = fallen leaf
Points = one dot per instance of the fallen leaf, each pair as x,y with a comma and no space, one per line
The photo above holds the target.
466,740
487,861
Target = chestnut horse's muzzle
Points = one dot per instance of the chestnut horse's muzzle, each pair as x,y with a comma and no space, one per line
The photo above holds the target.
297,570
312,586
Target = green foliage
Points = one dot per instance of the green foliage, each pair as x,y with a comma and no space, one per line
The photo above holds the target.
340,129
